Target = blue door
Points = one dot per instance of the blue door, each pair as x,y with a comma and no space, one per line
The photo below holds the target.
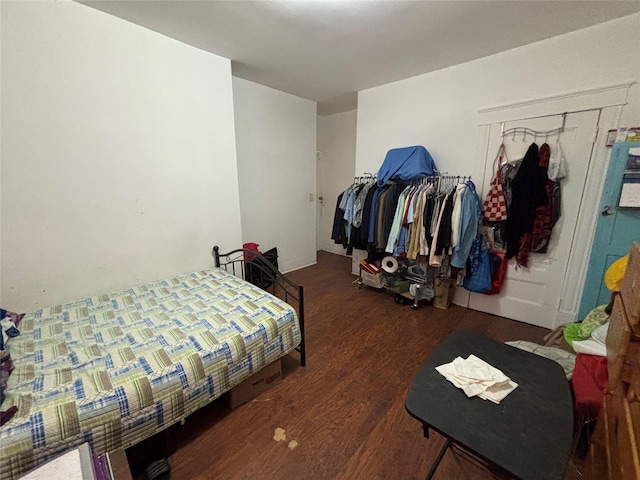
617,227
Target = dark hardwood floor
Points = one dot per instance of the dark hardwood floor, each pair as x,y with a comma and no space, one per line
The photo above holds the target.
345,409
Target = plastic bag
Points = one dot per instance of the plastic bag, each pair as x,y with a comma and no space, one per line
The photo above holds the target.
479,278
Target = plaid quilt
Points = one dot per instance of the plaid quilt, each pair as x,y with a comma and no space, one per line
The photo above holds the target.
114,369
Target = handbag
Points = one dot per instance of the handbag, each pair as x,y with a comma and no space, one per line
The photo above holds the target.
499,272
495,205
479,278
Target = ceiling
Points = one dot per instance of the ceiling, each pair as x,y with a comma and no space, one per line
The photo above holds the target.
328,50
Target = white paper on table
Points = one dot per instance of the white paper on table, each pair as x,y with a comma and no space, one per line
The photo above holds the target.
477,378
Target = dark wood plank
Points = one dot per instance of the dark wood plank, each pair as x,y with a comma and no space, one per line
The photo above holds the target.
346,407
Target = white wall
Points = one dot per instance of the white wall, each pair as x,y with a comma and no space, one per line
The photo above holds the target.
276,144
336,169
118,154
439,110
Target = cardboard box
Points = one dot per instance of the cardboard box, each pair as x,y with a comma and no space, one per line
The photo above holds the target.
256,384
375,280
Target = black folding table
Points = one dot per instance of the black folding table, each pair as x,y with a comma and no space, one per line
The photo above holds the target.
527,436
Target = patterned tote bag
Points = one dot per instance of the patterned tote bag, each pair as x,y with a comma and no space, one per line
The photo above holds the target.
495,205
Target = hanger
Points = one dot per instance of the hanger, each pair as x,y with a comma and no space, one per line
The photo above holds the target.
534,133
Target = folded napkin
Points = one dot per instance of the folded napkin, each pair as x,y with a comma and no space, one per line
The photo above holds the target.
476,377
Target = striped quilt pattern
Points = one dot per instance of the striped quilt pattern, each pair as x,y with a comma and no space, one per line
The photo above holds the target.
114,369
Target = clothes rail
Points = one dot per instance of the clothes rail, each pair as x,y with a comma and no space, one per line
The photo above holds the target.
365,177
460,178
525,131
444,181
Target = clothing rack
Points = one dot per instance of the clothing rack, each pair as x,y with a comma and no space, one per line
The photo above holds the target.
458,178
365,177
533,133
440,179
445,181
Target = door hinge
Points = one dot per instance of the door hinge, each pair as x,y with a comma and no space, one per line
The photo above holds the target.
559,303
596,130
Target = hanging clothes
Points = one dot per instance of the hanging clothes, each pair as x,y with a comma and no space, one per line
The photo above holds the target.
508,172
543,221
388,214
527,193
417,231
396,225
373,216
556,172
456,215
442,235
426,237
338,232
427,218
359,202
366,214
469,220
344,215
443,242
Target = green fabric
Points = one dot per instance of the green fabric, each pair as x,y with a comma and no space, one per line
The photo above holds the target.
593,320
571,333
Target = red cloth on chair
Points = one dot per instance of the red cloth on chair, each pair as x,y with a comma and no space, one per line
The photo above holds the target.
250,246
589,379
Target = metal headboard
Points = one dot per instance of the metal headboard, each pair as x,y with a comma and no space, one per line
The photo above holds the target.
235,262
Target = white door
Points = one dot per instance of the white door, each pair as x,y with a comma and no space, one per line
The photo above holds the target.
533,294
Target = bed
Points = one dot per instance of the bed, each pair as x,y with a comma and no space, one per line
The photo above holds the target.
115,369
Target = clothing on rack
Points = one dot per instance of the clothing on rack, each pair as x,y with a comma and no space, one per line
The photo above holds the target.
408,220
533,202
338,232
359,202
526,196
456,214
508,172
435,255
346,213
468,226
543,220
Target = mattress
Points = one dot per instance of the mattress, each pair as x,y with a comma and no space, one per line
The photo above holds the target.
114,369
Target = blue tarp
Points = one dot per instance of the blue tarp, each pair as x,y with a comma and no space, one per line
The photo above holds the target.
406,164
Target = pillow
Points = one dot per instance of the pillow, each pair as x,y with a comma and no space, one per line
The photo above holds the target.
572,334
600,334
593,320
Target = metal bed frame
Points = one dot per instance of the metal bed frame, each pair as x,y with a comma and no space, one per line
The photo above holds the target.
234,262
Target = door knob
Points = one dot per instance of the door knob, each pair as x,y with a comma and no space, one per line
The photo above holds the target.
607,211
